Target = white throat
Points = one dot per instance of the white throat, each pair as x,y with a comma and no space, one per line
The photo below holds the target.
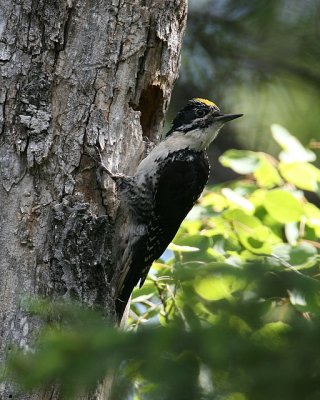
200,139
197,140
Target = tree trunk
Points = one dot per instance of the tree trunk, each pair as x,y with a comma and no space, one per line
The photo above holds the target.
74,74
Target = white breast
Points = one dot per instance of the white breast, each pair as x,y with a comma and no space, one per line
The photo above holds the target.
196,140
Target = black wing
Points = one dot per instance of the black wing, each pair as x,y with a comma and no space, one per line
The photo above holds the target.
182,178
180,185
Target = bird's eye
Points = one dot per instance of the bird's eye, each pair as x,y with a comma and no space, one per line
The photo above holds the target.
200,113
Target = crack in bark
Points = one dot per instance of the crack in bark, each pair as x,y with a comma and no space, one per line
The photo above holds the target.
67,26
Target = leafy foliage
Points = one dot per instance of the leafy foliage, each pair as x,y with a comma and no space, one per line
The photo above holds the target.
233,313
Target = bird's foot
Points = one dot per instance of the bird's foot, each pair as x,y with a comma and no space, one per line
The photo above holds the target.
102,168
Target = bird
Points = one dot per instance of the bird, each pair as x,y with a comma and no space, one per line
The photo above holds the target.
163,190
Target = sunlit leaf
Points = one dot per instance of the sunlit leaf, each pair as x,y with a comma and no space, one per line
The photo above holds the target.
312,214
158,266
182,249
241,161
199,241
293,150
283,206
271,335
266,174
303,175
191,226
238,200
216,200
218,287
253,235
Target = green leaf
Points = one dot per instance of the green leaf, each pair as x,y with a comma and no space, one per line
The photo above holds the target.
241,161
182,249
303,255
190,242
303,175
216,200
253,235
266,174
191,226
237,200
313,217
282,206
218,287
293,150
236,396
271,335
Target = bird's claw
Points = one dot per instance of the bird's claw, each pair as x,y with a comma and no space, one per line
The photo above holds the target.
102,167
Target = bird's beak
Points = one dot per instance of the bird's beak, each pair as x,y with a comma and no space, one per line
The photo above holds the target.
227,117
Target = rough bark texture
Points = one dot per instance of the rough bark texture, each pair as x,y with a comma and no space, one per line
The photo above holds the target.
74,74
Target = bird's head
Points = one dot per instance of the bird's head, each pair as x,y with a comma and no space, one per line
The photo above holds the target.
200,120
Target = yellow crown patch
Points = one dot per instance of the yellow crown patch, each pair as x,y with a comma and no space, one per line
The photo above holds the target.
206,102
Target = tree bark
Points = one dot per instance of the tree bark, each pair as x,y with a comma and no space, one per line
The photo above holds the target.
74,74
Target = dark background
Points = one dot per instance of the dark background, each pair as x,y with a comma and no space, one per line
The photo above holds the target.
256,57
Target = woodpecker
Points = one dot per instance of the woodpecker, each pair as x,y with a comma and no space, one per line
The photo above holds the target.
163,190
